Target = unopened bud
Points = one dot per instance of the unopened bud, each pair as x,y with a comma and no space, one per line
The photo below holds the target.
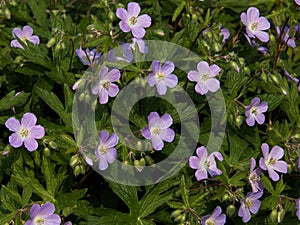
111,15
290,168
138,165
142,162
159,32
87,98
7,13
149,160
263,76
139,146
82,169
47,152
274,78
235,66
217,47
51,42
52,144
230,210
247,70
194,17
77,170
81,97
74,160
273,216
176,213
238,121
272,39
284,91
280,215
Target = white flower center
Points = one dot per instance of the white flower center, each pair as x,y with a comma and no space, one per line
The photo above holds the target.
39,220
271,161
160,76
248,203
253,26
253,110
209,222
24,133
102,149
132,21
106,85
156,130
205,76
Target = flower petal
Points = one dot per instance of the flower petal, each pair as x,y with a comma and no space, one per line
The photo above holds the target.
37,132
17,32
165,121
124,26
262,164
27,31
104,135
244,19
216,212
202,153
276,152
16,44
194,75
13,124
281,166
133,9
52,220
168,68
112,141
138,32
15,140
34,39
194,162
252,14
28,120
103,96
34,210
215,70
31,144
260,118
262,36
113,75
151,79
46,210
143,21
157,143
113,90
102,162
167,135
161,88
263,23
146,133
213,85
272,174
201,174
265,150
250,121
111,155
171,80
255,206
201,88
121,13
244,213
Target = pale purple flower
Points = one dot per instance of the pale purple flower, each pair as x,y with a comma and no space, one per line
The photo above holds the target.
130,21
297,2
105,87
106,151
158,130
216,218
285,37
162,76
205,164
143,48
87,56
255,25
298,208
254,177
291,78
250,204
253,43
24,35
271,161
205,77
254,112
121,54
43,215
25,132
224,32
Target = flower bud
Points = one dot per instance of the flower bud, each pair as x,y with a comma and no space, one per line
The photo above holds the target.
51,42
142,162
138,165
111,15
77,170
194,17
235,66
47,152
176,213
272,39
74,160
238,121
263,76
82,169
159,32
149,160
139,146
274,78
81,97
290,168
7,13
52,144
87,98
280,215
247,70
273,216
217,47
230,210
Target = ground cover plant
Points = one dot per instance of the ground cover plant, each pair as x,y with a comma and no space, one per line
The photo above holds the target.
149,112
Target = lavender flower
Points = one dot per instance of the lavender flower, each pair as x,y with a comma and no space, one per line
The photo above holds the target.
298,3
26,131
105,151
204,164
161,77
250,204
126,53
285,38
24,35
254,177
205,77
255,24
105,86
298,205
130,21
224,32
216,218
271,161
87,57
253,43
255,112
158,130
141,45
40,215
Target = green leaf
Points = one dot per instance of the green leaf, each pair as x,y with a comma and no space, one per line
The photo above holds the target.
184,192
6,218
178,11
48,169
26,195
267,184
11,193
237,147
11,100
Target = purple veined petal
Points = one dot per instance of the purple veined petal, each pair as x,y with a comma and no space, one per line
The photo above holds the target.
151,79
102,162
27,31
157,143
265,150
155,66
161,88
255,101
16,44
263,107
102,73
255,206
143,21
204,218
298,3
17,32
13,124
203,67
244,19
146,133
213,170
251,35
252,164
260,118
225,32
194,162
202,153
52,220
46,210
138,32
167,68
28,120
252,14
96,89
220,220
194,76
112,141
262,164
167,135
15,140
31,144
133,9
213,84
124,26
34,210
291,43
113,90
254,196
30,222
262,36
68,223
103,96
250,121
171,80
276,152
121,14
272,174
103,137
216,212
201,174
111,155
280,166
153,117
263,23
215,70
244,213
298,199
142,45
34,39
201,88
37,132
89,161
165,121
218,155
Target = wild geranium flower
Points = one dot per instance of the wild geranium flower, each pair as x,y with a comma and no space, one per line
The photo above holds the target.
105,86
121,54
43,215
260,48
250,204
130,21
106,151
255,25
216,218
254,177
271,161
158,130
87,56
162,76
224,32
143,48
285,37
205,77
298,208
24,35
203,163
254,112
25,132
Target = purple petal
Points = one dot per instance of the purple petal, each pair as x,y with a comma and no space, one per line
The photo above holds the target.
52,220
17,32
260,118
281,166
15,140
213,85
298,200
124,26
262,164
252,14
202,153
89,161
112,141
133,9
263,23
121,14
252,164
16,44
13,124
143,21
113,75
155,66
220,220
276,152
46,210
171,80
161,88
194,75
34,39
34,210
27,31
203,67
30,222
215,70
218,155
111,155
265,150
138,32
165,121
255,206
151,79
113,90
291,43
102,163
167,135
201,174
153,117
216,212
272,174
28,120
201,88
262,36
194,162
168,68
263,107
255,101
104,135
244,213
31,144
37,132
157,143
213,170
103,96
146,133
244,19
95,89
250,121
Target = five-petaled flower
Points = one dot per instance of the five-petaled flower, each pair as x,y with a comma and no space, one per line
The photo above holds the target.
26,131
162,76
87,56
106,151
130,21
255,25
250,204
158,130
205,77
254,177
203,163
271,161
216,218
24,35
43,215
105,87
255,112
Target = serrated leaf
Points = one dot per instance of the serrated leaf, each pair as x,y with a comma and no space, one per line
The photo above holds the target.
267,184
178,11
184,192
48,169
11,193
26,195
6,218
11,100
